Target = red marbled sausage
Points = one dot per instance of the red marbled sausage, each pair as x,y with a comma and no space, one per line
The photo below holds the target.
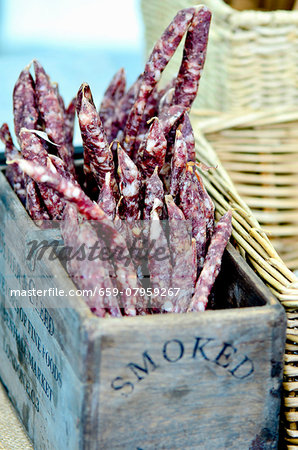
130,186
208,204
187,132
106,199
85,274
182,257
24,103
113,94
159,265
14,175
193,58
178,162
212,264
153,189
33,150
34,203
159,58
98,156
153,150
52,113
193,208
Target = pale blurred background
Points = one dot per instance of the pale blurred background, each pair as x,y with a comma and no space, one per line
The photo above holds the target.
75,41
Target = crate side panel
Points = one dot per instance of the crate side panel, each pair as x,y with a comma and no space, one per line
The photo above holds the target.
42,347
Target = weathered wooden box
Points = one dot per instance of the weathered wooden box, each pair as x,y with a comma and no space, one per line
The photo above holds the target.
200,380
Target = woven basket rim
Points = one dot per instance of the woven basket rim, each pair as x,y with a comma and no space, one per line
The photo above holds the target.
251,18
215,121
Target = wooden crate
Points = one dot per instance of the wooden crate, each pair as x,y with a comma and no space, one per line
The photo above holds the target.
200,380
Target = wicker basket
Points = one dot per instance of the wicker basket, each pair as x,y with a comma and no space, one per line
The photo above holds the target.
256,248
252,57
260,152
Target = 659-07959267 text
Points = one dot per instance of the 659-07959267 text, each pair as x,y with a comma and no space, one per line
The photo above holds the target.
55,292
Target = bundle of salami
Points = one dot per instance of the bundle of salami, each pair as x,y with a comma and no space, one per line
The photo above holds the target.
139,185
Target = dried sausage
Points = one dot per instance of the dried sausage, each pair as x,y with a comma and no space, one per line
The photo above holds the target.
159,58
178,162
193,59
182,257
14,175
24,102
194,210
153,189
212,264
153,150
159,265
97,153
106,199
130,186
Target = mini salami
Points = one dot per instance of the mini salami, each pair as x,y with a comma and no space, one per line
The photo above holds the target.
106,198
124,106
150,111
82,272
209,206
153,189
164,50
170,117
32,147
151,108
24,102
159,58
112,96
219,240
49,105
194,271
97,275
34,203
166,101
193,58
153,150
194,210
59,96
61,167
52,113
182,257
14,175
33,150
69,227
125,272
187,132
97,153
69,117
160,267
178,162
130,186
122,226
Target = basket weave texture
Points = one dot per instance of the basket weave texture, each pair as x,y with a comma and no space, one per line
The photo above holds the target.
257,249
260,152
252,56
